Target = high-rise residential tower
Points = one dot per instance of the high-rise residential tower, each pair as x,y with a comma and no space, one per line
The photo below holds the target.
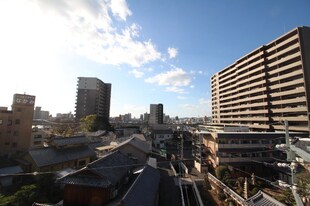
93,97
156,114
16,125
267,86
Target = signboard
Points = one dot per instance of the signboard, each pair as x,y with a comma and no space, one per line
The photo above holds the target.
24,99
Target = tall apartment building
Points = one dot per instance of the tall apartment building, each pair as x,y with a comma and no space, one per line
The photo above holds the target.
156,114
16,125
267,86
93,97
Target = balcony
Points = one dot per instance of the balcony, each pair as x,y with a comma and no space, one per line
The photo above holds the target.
283,43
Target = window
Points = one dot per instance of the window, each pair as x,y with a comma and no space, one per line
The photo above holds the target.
14,145
17,121
37,136
1,121
15,133
19,109
7,144
82,163
9,122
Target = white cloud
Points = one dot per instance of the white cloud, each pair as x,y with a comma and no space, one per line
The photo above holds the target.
192,86
181,97
88,28
175,89
120,8
174,79
136,73
173,52
204,101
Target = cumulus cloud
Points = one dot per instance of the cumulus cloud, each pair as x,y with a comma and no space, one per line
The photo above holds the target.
120,8
173,79
137,73
204,101
92,30
173,52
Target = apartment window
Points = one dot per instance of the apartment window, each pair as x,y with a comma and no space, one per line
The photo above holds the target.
17,121
1,121
6,143
16,133
37,136
9,122
19,110
14,145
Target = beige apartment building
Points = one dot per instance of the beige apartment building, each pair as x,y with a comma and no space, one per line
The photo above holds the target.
16,125
267,86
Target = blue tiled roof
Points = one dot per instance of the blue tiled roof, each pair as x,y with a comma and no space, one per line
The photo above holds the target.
74,140
51,155
144,189
106,171
262,199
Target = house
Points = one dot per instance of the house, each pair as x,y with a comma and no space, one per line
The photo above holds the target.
5,175
65,152
160,136
144,191
98,182
262,199
135,148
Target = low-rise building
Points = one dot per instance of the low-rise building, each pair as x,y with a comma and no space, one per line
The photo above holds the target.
65,152
98,182
237,147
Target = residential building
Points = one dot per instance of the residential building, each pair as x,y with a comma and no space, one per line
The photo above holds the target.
160,136
16,125
65,152
93,97
38,136
267,86
98,182
237,147
156,114
40,114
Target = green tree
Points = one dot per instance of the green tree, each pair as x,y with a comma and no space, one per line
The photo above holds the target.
92,123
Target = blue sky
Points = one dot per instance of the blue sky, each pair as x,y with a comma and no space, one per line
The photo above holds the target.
151,51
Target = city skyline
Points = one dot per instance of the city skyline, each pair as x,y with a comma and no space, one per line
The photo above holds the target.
151,52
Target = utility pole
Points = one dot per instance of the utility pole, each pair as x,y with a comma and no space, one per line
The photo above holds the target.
293,166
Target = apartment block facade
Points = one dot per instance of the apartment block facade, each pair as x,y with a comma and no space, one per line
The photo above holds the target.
16,125
156,114
93,97
267,86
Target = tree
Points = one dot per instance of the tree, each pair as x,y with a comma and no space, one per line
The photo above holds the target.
92,123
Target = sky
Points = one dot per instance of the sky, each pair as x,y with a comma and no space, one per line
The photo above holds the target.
151,51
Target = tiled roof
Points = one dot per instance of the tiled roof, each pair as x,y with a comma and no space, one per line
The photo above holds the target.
142,145
144,189
262,199
106,171
11,170
51,155
74,140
